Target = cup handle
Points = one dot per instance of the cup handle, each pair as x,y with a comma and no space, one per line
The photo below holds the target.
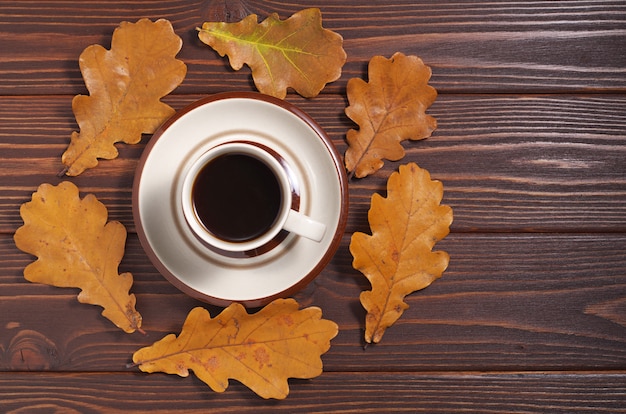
304,226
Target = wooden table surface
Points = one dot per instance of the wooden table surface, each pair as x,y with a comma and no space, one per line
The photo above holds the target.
530,315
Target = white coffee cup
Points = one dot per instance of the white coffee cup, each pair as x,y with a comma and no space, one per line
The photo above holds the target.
240,196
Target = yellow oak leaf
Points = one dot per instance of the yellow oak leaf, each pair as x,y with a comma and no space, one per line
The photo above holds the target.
397,258
76,247
261,350
389,109
125,86
297,52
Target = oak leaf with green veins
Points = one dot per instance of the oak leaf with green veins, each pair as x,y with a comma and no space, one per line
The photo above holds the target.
297,52
389,109
397,258
125,86
77,248
261,350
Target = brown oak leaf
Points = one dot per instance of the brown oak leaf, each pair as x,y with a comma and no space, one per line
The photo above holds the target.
389,109
261,350
397,258
125,86
76,247
297,52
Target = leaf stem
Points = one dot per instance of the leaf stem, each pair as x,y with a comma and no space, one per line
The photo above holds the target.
63,171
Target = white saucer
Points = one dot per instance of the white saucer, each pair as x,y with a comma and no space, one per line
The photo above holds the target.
173,249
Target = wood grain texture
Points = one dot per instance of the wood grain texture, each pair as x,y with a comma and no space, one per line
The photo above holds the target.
508,163
530,316
330,393
551,301
472,46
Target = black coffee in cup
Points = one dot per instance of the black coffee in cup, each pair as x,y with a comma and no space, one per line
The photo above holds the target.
237,197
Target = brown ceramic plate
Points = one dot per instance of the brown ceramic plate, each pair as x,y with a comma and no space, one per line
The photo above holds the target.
180,257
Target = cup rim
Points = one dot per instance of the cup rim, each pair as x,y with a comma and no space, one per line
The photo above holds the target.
204,235
339,229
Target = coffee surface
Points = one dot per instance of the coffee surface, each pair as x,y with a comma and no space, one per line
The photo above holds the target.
237,197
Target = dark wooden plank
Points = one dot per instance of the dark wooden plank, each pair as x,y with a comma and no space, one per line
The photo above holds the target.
330,393
544,301
508,163
472,46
